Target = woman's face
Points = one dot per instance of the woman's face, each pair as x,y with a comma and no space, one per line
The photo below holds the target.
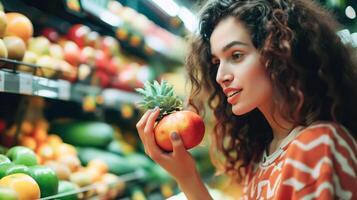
240,73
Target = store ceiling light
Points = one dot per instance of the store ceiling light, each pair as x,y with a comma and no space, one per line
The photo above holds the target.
169,6
350,12
189,19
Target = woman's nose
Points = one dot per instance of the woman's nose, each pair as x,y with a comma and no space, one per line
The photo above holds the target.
223,76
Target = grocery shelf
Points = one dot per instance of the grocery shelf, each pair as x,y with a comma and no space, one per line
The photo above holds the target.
54,14
12,81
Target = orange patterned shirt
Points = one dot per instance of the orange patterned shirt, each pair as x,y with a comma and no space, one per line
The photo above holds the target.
317,162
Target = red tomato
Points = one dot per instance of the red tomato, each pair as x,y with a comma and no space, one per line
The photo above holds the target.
187,124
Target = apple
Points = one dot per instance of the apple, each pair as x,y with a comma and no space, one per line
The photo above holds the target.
115,63
69,72
94,39
15,46
3,24
78,33
13,169
87,56
22,156
68,187
39,45
4,159
46,179
110,46
48,66
50,33
84,71
71,53
103,78
56,51
101,60
30,58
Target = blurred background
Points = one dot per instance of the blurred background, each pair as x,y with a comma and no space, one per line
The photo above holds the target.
68,73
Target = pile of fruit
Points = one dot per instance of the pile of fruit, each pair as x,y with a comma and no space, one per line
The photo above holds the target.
80,55
23,178
54,166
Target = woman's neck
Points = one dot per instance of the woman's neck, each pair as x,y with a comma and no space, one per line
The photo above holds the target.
281,128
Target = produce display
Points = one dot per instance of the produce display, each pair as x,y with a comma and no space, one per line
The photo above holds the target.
172,118
81,55
86,156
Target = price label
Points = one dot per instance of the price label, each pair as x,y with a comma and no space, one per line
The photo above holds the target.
26,86
64,90
2,81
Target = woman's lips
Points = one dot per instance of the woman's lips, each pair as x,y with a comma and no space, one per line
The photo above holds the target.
233,96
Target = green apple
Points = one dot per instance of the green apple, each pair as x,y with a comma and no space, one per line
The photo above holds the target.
22,156
66,186
46,178
4,167
17,169
4,159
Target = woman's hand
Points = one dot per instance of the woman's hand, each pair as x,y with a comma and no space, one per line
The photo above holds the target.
179,163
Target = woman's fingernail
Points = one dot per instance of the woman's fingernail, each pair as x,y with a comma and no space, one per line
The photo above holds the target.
156,108
174,136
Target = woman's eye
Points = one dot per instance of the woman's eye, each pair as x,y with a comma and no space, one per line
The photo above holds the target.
237,55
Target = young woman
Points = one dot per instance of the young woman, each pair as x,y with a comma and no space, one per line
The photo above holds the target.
283,90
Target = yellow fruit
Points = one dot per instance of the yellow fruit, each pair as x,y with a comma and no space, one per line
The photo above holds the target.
15,47
25,186
98,165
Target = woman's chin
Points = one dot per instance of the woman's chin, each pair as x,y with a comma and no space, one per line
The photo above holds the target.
240,110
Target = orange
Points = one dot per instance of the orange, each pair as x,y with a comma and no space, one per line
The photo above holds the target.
98,165
28,141
40,135
25,186
19,25
54,140
26,128
65,149
71,161
93,174
46,151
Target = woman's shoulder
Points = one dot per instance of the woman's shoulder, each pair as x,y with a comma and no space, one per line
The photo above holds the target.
325,132
323,139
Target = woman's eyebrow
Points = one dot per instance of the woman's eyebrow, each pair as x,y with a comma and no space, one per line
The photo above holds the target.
233,43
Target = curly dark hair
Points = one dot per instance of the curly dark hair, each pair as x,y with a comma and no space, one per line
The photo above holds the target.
307,63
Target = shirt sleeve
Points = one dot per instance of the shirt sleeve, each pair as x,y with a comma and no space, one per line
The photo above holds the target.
320,164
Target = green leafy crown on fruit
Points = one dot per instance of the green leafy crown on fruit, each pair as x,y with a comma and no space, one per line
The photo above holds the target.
160,95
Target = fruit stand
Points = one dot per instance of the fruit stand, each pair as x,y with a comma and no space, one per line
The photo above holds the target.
69,77
68,113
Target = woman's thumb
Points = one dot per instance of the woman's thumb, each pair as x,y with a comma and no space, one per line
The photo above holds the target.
177,143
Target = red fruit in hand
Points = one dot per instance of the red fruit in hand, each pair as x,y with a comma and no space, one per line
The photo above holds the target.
187,124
